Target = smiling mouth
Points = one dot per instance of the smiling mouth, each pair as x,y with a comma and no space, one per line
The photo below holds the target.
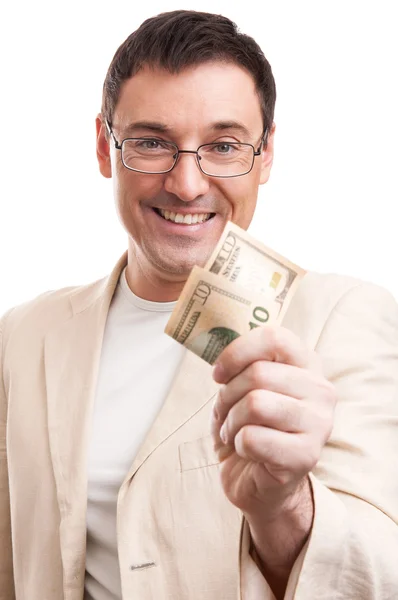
184,219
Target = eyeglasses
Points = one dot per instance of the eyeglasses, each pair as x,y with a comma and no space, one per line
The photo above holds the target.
219,159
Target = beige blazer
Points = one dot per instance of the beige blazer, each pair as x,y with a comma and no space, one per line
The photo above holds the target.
178,536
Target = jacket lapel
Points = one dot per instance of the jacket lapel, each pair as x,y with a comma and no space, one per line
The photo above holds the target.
72,353
192,388
71,358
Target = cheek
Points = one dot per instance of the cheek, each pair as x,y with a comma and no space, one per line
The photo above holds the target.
131,188
242,196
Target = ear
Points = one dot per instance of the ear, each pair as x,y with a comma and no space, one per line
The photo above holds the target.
267,156
103,155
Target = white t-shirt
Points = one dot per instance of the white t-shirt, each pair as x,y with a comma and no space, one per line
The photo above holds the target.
138,365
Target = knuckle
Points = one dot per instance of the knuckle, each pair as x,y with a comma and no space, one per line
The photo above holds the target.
254,404
246,439
271,334
256,373
283,337
262,375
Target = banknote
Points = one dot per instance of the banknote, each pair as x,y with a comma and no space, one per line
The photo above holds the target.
242,259
211,312
243,285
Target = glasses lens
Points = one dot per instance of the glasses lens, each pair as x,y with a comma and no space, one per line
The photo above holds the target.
226,159
148,155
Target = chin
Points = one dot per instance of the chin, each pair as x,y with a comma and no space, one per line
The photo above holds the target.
176,266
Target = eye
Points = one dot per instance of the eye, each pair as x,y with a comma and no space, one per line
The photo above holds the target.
224,148
149,144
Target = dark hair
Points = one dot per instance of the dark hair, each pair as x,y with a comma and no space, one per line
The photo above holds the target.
183,38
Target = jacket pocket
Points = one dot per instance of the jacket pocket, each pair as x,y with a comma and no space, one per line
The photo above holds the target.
198,454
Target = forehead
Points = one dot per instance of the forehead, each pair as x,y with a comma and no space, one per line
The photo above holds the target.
192,99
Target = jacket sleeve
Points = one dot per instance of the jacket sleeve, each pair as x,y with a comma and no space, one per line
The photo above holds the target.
353,546
7,591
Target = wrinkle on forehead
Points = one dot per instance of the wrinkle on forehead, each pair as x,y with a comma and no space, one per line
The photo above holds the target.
206,98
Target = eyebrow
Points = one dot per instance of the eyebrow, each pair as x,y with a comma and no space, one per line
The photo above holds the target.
223,125
158,127
150,125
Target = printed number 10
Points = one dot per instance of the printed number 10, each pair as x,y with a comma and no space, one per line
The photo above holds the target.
261,315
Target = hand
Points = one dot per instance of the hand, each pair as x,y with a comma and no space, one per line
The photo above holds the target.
274,414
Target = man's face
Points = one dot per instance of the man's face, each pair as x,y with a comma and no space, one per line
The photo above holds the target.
213,102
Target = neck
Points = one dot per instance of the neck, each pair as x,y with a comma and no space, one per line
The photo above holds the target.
149,284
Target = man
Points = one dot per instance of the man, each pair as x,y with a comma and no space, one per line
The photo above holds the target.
130,469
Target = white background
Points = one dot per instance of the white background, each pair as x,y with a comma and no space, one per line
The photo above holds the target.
332,200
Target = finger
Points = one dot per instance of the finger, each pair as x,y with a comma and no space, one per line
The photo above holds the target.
268,409
268,343
223,450
285,455
274,377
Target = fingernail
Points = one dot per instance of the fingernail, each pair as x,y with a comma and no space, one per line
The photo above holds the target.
223,434
218,372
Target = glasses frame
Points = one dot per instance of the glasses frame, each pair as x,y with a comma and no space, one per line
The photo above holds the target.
119,146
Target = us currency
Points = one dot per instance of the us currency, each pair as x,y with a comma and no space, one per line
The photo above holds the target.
243,285
211,312
242,259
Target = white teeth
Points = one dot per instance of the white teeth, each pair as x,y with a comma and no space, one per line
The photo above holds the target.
189,219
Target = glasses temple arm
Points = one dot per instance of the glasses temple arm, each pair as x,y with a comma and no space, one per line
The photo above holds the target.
110,132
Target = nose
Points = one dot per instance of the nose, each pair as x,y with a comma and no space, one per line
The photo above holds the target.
186,180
